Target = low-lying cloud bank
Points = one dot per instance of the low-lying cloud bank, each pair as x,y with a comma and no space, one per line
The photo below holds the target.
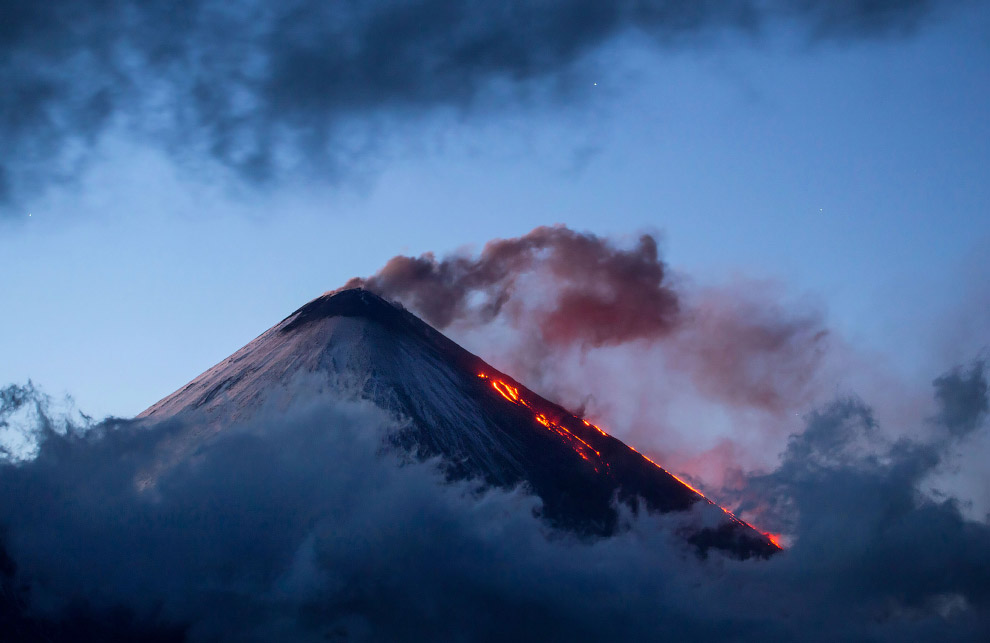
298,526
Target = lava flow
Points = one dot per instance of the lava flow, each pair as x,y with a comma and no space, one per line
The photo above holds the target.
581,447
586,451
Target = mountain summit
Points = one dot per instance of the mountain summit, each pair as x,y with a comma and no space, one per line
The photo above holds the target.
480,422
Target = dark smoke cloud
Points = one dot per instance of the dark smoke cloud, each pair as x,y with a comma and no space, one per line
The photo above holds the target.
600,294
255,85
297,526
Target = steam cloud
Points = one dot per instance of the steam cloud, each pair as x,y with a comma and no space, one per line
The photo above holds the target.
296,526
253,85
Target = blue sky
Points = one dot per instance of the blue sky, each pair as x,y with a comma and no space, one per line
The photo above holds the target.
853,172
811,352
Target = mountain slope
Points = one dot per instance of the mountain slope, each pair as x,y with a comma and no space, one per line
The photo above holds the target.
481,422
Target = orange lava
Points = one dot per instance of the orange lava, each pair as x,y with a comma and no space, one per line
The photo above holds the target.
581,447
585,450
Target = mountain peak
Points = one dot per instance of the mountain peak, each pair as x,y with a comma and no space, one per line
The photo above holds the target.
479,422
351,302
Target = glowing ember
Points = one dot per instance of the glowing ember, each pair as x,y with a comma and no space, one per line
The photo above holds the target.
585,450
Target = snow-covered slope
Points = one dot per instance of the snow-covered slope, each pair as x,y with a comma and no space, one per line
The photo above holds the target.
480,421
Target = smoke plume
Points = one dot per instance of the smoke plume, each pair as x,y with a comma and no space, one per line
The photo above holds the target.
602,327
597,293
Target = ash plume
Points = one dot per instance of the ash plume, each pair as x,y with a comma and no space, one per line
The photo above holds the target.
599,293
605,329
741,345
254,85
562,290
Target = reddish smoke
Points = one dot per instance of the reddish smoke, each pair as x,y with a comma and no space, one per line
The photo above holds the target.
743,347
563,288
701,377
600,294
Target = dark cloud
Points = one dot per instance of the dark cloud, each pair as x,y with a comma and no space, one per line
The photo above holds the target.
297,526
962,398
253,84
856,501
853,18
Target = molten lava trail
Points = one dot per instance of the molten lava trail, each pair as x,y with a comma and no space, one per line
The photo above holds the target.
594,456
578,445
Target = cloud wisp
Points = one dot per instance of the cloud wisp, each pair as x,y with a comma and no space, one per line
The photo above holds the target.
259,87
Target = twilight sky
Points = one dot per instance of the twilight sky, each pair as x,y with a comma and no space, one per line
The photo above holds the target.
176,181
746,237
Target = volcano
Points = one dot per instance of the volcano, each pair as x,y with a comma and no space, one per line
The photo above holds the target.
479,422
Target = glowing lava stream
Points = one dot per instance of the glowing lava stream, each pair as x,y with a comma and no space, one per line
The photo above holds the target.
583,449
